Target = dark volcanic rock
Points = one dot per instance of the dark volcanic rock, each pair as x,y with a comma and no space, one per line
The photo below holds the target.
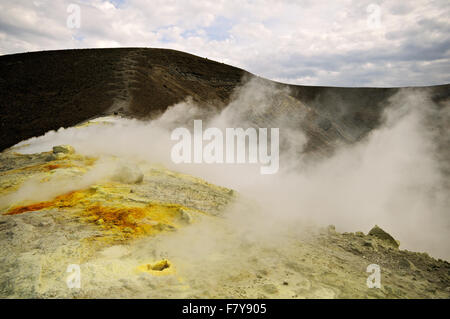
43,91
381,234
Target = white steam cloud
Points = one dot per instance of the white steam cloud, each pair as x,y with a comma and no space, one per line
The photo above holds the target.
393,177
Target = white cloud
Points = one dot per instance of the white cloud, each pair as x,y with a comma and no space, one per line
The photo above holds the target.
303,42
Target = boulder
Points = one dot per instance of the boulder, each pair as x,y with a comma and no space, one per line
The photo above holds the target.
66,149
381,234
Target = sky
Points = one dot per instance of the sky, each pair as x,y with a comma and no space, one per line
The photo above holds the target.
310,42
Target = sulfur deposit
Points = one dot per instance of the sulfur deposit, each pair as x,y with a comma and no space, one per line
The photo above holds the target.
43,233
138,230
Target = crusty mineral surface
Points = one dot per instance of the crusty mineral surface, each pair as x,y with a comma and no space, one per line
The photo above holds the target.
139,230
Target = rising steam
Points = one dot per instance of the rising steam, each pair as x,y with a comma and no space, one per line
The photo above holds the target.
393,177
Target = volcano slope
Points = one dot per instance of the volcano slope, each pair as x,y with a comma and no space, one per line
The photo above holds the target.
43,91
136,228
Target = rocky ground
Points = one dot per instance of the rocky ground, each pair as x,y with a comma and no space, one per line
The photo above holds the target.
142,231
138,229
